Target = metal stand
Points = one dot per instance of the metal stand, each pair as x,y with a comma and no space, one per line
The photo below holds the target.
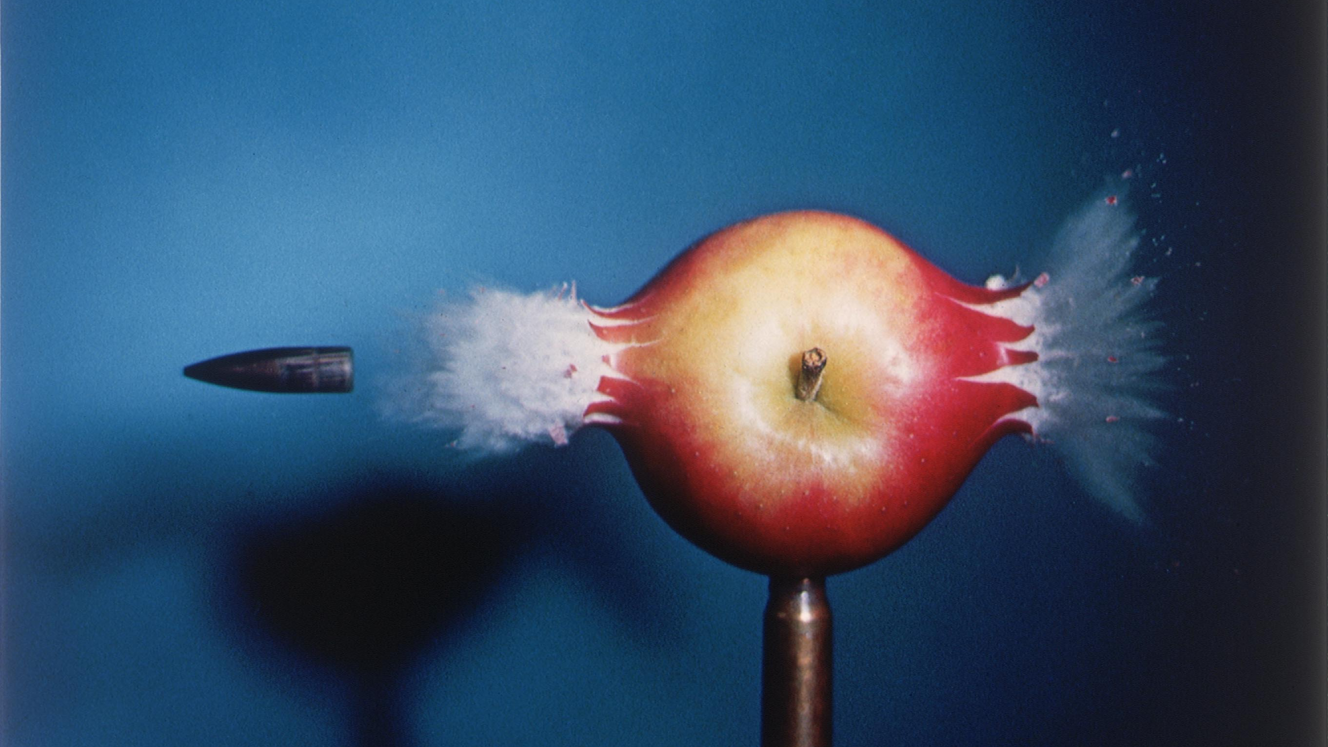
796,666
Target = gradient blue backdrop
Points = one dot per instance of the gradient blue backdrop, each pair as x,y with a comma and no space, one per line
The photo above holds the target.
183,180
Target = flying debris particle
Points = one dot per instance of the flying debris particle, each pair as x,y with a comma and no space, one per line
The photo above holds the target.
1137,280
1112,359
1115,133
1112,199
1041,280
1127,174
1112,419
559,435
571,369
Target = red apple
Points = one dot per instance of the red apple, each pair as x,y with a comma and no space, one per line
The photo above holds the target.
800,394
704,396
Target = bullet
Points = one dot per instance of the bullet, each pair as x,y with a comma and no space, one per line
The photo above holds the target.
308,370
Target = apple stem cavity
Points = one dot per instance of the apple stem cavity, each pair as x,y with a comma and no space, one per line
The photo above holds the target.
810,374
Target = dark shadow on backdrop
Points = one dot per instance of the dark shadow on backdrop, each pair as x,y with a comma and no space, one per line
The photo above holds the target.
385,568
390,568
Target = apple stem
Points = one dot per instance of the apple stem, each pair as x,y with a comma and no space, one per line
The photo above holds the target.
809,377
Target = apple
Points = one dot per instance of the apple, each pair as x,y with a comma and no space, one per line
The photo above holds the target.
796,394
800,394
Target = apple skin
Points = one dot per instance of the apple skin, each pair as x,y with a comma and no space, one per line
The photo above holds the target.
703,401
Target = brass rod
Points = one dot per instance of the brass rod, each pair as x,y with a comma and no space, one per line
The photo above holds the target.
797,665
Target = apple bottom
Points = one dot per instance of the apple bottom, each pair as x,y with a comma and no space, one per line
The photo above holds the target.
814,533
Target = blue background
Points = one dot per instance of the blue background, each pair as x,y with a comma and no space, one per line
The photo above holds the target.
188,564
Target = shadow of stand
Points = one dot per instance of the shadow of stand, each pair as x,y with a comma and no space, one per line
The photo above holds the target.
366,587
